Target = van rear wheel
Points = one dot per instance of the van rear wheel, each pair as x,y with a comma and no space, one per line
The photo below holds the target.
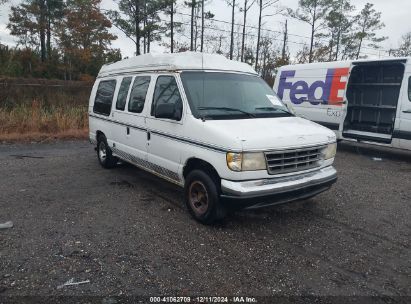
104,153
201,193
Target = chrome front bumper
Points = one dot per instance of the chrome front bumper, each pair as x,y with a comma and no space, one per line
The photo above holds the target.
273,186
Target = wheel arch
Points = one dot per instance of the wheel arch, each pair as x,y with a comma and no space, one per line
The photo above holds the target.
194,163
98,133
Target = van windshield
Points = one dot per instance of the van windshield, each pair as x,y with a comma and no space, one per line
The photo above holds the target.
216,95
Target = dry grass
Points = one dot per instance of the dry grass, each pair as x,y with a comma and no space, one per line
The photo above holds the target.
37,121
38,109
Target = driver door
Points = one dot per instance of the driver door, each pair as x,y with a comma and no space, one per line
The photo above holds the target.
164,135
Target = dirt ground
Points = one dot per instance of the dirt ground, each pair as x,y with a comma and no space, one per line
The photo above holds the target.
126,233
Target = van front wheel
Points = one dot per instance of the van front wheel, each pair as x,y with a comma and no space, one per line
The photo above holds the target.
104,154
201,194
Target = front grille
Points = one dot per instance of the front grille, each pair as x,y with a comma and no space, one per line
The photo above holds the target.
286,161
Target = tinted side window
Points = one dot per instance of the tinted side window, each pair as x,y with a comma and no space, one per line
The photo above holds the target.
122,93
166,92
409,89
104,97
138,94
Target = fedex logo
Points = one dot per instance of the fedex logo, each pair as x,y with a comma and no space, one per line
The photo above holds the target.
319,92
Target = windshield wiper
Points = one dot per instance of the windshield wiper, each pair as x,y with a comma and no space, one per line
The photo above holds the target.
205,117
273,109
227,109
268,109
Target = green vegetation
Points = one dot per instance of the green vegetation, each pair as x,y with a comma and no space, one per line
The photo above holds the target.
58,39
71,39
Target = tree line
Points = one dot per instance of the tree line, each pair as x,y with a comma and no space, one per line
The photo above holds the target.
71,39
58,39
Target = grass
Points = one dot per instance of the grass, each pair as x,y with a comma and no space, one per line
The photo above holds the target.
43,109
39,120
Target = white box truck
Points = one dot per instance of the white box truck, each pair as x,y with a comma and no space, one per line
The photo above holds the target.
363,100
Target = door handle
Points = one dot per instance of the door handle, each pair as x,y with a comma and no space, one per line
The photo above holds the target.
148,135
407,111
128,130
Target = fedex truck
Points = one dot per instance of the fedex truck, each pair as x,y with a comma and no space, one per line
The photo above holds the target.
363,100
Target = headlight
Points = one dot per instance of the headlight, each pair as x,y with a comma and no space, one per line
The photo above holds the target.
329,151
246,161
234,161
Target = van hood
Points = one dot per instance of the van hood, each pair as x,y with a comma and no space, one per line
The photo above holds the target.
273,133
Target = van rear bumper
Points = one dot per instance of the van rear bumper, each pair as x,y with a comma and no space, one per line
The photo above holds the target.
263,192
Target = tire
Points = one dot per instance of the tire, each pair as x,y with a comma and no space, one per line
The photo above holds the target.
104,153
201,196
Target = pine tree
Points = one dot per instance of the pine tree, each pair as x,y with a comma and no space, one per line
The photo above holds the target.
314,13
339,28
139,19
32,22
404,50
368,21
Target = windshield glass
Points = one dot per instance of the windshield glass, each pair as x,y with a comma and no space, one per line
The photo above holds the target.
215,95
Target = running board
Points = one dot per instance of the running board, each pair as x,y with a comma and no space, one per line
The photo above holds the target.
368,136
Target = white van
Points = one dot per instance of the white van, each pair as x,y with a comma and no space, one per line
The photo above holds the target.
209,125
363,100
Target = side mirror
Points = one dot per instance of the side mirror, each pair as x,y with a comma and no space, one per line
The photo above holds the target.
168,111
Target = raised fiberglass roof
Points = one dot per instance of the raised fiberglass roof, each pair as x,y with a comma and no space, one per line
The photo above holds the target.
175,62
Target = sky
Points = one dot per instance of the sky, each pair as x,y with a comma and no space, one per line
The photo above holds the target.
395,14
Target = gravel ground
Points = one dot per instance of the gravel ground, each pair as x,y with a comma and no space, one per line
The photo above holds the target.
127,232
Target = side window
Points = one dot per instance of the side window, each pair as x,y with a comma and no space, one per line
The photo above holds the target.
166,95
409,88
138,94
104,97
122,93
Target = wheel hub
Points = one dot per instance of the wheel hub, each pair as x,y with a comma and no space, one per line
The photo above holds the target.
198,197
102,153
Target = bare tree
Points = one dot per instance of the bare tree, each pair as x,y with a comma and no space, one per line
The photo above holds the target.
238,43
232,3
247,5
172,27
144,26
193,4
285,39
263,5
271,59
202,25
